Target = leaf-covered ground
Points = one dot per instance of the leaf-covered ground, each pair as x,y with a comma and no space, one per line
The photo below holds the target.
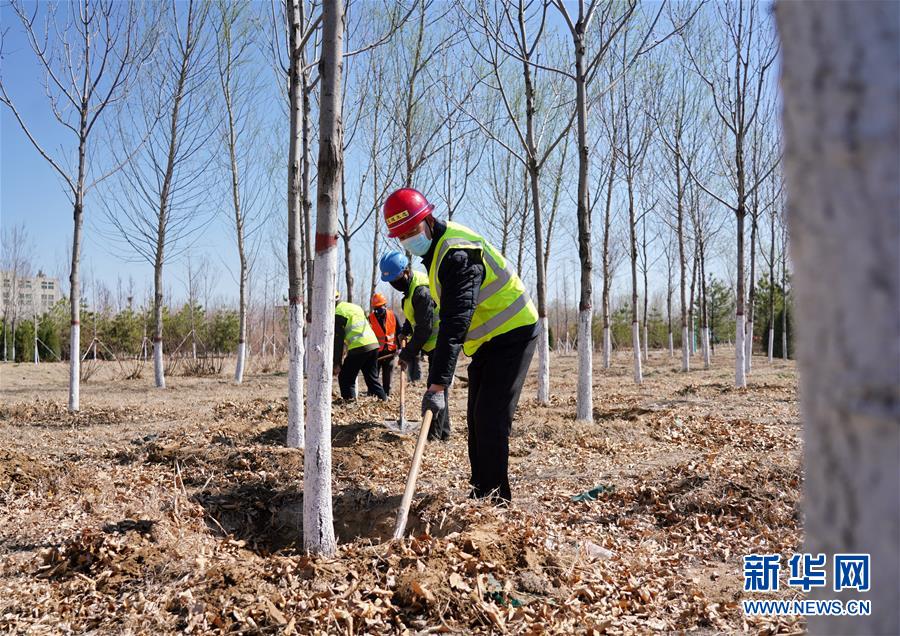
179,510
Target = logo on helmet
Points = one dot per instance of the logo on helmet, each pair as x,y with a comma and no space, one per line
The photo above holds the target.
398,217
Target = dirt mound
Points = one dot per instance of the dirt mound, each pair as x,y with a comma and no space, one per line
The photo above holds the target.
20,472
56,414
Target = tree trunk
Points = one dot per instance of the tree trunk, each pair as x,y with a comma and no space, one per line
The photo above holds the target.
607,222
772,290
297,22
784,296
646,299
841,99
632,228
704,314
74,280
543,375
682,262
740,369
585,399
751,297
348,260
318,528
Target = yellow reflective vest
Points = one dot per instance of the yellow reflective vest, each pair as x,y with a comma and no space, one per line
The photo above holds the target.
357,332
419,279
503,303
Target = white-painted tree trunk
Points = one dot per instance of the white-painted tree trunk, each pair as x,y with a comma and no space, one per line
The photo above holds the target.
636,348
749,344
75,367
646,345
585,401
241,358
543,393
740,370
842,132
158,365
295,436
771,344
671,345
607,348
318,525
685,350
705,337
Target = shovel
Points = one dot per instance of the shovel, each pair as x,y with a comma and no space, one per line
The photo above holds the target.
403,513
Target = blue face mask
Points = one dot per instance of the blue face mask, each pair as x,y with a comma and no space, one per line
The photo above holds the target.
418,244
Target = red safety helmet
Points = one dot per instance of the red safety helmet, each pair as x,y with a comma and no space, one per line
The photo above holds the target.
378,300
405,209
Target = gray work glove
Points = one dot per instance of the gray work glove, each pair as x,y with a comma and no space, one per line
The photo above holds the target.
433,402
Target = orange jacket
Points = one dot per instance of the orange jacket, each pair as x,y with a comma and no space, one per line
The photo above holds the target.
387,337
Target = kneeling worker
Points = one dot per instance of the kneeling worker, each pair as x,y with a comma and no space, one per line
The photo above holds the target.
484,310
384,324
351,328
421,324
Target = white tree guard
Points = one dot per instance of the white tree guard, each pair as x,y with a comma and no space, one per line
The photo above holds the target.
295,437
607,348
771,344
740,370
159,369
585,402
636,347
318,524
685,350
75,368
749,344
543,376
705,338
241,358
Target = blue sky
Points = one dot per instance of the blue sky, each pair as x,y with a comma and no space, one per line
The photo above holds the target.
32,194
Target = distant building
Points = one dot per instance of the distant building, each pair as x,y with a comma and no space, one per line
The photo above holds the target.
36,295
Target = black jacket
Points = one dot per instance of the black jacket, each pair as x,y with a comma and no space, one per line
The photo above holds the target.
423,311
461,274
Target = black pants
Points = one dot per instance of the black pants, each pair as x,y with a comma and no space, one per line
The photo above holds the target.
496,375
386,366
367,362
440,425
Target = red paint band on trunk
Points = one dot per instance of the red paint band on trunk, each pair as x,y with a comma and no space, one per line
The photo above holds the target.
296,300
324,241
75,323
157,339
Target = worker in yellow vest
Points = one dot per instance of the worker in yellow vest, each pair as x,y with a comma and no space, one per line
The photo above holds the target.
421,326
352,330
485,311
384,324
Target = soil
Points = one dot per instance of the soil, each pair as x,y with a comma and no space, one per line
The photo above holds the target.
180,510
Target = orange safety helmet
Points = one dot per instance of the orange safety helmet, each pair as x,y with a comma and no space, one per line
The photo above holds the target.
404,209
378,300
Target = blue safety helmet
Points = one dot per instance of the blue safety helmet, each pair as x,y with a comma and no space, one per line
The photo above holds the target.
392,266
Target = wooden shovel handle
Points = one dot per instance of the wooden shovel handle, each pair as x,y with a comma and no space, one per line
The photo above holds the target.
403,513
402,421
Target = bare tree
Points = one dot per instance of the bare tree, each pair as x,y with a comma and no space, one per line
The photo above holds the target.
735,72
318,528
299,30
88,65
842,134
636,143
239,132
515,30
15,265
154,204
